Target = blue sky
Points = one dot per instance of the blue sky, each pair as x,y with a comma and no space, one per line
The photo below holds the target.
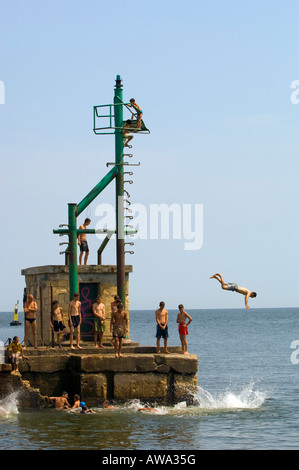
213,79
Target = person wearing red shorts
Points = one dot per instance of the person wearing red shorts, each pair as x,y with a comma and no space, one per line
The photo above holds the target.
183,327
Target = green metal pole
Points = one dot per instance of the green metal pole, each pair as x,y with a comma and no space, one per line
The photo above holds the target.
97,190
73,269
120,233
66,231
102,247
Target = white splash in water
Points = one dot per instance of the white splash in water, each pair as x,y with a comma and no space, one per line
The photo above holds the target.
246,399
137,405
9,405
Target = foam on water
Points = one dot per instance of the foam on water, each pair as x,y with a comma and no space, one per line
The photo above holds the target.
230,400
135,405
9,405
204,401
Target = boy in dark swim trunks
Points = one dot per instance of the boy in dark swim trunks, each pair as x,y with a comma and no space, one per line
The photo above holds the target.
234,288
162,327
30,309
75,320
82,242
58,325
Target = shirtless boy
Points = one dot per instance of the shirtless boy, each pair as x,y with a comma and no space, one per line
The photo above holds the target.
118,320
82,242
76,402
234,288
61,402
57,325
127,137
114,305
139,112
183,327
98,309
30,309
162,327
75,320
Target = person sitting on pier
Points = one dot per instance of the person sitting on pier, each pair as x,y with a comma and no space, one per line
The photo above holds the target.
234,288
14,350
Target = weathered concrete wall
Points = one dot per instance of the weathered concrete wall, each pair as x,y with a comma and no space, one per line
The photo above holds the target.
48,283
148,377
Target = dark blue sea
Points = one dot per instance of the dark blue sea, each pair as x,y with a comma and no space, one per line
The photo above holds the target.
248,394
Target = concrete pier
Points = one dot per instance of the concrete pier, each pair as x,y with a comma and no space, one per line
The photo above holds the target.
94,374
98,375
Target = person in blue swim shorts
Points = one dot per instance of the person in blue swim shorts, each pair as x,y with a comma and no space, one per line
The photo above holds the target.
234,288
162,327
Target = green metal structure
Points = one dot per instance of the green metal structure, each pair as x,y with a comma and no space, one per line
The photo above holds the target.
117,173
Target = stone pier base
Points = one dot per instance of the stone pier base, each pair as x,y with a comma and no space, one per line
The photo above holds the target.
139,374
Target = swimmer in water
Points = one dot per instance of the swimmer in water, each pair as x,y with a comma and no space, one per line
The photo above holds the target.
148,409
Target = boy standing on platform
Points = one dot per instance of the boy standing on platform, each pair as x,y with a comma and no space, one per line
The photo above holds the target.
75,320
183,327
162,327
57,324
98,309
30,309
82,242
118,320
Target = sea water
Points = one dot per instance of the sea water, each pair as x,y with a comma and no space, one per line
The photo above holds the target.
247,396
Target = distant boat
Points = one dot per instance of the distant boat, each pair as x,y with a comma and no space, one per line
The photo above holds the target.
15,321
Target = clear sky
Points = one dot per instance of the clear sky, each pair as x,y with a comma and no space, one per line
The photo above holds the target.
214,82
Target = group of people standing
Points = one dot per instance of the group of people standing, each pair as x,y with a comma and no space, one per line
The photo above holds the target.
119,323
183,320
